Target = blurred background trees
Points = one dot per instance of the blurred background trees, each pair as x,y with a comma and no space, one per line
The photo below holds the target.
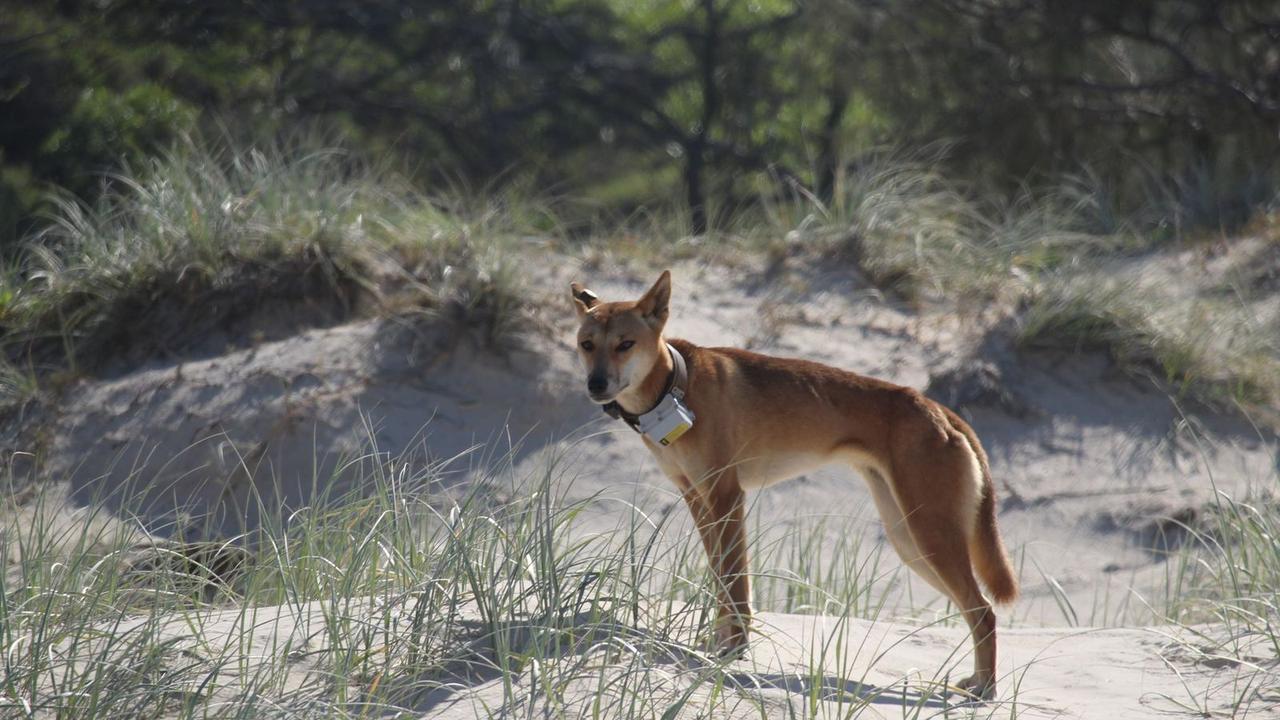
701,105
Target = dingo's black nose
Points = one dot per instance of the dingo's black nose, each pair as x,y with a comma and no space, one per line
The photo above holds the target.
596,384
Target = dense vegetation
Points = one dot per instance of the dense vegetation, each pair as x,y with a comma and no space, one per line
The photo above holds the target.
971,150
701,105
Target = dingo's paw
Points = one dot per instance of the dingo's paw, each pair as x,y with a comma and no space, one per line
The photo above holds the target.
978,688
731,639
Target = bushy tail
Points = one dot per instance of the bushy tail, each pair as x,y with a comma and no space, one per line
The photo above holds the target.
986,549
989,556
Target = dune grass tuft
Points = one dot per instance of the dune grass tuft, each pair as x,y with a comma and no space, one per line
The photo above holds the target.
1223,596
1061,261
395,599
1206,349
205,235
409,595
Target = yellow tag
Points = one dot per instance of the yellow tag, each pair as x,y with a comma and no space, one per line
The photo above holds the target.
675,433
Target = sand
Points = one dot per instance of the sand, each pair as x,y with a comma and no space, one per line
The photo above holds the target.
1088,460
864,669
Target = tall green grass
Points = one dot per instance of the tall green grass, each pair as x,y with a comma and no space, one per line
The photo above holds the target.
398,598
1060,262
206,233
406,594
1222,597
1211,349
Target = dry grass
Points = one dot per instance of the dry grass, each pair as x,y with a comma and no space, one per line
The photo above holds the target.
383,603
203,236
1061,263
386,602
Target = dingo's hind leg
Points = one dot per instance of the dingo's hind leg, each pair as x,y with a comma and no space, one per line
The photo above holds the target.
946,552
936,495
899,534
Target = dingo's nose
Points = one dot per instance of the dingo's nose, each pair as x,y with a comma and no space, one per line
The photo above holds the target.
596,385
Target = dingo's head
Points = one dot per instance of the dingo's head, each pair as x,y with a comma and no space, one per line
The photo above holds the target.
619,342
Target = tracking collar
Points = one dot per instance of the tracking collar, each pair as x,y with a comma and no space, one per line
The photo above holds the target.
668,419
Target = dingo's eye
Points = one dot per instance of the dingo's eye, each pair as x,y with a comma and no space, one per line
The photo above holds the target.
588,345
625,345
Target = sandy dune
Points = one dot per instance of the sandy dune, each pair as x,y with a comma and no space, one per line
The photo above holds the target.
799,666
1089,462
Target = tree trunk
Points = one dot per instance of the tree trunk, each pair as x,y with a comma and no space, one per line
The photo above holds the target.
695,194
828,159
696,149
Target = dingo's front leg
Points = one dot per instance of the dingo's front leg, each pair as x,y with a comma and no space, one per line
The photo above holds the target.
728,509
719,512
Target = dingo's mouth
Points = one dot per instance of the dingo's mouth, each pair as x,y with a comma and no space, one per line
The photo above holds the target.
605,399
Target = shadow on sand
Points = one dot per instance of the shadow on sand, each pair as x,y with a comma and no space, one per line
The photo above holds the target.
571,641
831,688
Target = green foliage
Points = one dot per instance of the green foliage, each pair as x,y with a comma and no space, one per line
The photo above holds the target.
106,129
665,102
20,195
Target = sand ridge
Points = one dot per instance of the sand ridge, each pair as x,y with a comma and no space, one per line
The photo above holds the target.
1084,470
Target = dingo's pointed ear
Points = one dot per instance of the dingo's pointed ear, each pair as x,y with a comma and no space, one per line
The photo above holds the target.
583,299
653,306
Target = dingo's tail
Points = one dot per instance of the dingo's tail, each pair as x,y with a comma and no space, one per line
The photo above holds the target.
986,549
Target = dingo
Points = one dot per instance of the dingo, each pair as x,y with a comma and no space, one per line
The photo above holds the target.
721,421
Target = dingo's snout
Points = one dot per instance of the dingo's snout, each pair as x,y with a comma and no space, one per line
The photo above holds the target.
597,386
